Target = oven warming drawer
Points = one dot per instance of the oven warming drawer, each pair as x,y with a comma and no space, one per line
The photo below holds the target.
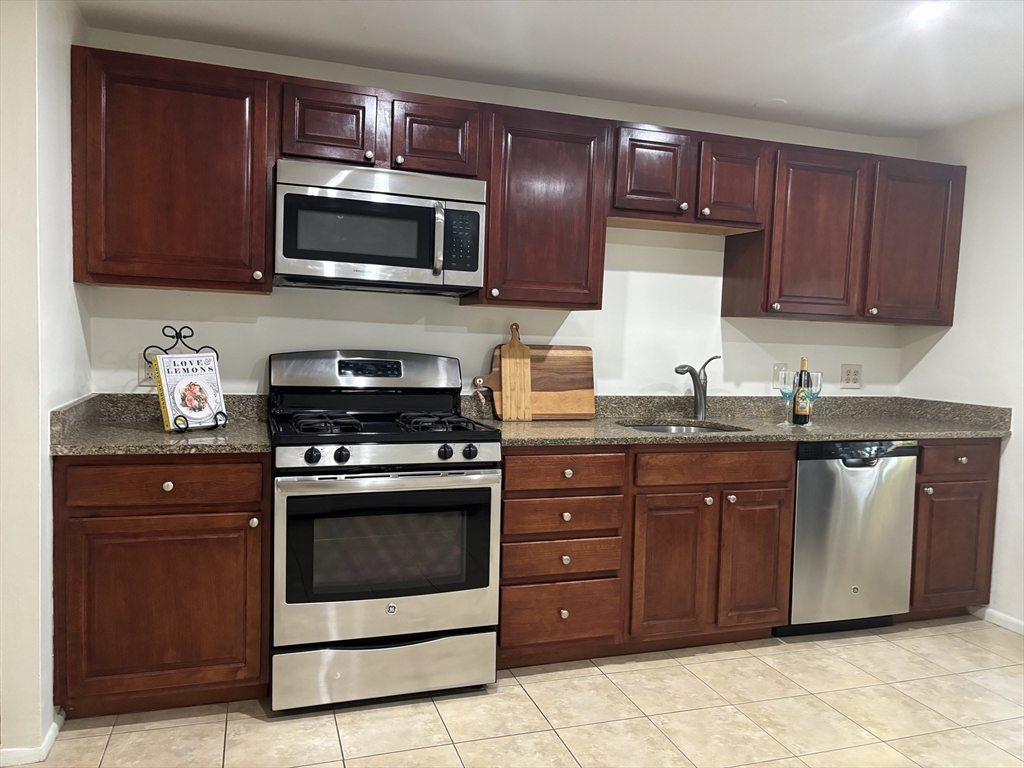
329,675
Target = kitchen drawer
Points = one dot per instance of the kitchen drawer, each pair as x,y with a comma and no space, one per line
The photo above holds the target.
715,468
531,614
569,471
546,516
958,459
142,485
548,558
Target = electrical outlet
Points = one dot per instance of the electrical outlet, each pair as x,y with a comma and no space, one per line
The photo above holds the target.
145,373
849,377
778,368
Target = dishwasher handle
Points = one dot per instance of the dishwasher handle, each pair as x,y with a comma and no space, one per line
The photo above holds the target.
859,463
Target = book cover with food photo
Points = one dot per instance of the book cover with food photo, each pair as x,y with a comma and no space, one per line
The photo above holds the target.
189,386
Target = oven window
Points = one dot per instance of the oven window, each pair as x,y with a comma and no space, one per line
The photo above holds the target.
375,545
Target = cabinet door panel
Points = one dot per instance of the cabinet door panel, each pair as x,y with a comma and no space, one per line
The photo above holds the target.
546,212
675,556
915,241
329,124
435,138
756,558
953,541
819,235
735,181
162,602
655,171
175,173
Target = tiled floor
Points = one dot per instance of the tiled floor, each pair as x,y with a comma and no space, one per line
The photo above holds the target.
939,693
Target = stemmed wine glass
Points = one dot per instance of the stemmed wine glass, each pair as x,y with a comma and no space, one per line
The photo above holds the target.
787,389
813,392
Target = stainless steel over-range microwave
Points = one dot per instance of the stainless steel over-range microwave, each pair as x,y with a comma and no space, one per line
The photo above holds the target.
381,230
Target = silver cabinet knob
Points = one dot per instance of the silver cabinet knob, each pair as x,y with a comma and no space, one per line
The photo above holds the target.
368,154
257,275
709,500
399,160
929,490
873,311
568,473
731,498
563,613
962,459
684,206
168,486
253,522
567,516
776,306
565,559
494,292
705,211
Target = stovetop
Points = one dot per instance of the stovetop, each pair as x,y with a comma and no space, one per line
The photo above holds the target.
341,427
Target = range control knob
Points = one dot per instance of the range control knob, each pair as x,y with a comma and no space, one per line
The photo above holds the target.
445,452
470,451
312,455
342,455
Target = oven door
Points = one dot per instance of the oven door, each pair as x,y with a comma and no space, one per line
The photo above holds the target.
385,555
344,235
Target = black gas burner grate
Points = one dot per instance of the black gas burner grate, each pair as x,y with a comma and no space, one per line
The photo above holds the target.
436,422
325,423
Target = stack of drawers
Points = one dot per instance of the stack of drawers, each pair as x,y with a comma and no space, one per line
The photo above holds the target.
562,552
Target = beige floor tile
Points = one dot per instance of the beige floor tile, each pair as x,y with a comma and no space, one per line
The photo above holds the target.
560,671
505,677
998,640
719,737
964,623
952,652
86,726
1008,682
867,756
960,700
743,680
844,639
929,627
886,712
504,710
530,750
623,744
1008,735
444,756
281,741
806,724
632,662
820,670
168,718
888,662
84,752
580,701
786,762
389,727
954,749
190,746
258,708
769,645
666,689
699,653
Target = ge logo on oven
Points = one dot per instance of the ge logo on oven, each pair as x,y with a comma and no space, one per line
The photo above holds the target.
392,608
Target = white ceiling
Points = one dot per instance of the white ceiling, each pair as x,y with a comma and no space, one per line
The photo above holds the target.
865,66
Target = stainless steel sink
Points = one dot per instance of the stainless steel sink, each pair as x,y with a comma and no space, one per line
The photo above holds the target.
675,428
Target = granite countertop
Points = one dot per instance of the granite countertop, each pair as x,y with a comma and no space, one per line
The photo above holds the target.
118,424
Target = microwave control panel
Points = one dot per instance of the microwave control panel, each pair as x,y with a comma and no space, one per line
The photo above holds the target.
461,240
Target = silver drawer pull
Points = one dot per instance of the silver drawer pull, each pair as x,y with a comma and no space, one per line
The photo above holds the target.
731,498
565,560
929,490
168,486
567,516
709,500
962,459
563,613
253,522
568,473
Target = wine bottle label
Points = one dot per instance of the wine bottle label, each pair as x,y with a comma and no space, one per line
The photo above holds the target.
801,405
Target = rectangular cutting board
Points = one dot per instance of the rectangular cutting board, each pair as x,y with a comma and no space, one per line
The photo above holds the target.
561,382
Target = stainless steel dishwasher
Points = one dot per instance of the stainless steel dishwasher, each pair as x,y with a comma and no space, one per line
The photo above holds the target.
854,530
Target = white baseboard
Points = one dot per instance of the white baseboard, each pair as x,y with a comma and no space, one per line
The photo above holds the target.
998,617
23,755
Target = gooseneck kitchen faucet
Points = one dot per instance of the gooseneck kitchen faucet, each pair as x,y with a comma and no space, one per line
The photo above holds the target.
700,387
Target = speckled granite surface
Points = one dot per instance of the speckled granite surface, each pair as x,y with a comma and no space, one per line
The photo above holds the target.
130,424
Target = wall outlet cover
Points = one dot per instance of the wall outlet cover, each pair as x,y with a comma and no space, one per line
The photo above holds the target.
778,368
145,373
850,376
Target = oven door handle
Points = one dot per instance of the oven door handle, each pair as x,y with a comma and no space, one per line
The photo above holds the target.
438,237
294,486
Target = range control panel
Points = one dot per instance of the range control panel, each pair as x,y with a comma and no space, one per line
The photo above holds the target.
461,240
374,369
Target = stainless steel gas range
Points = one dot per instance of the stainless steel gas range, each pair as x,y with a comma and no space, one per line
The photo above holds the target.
386,528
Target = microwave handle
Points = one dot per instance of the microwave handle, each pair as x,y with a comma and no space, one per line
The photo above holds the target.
438,237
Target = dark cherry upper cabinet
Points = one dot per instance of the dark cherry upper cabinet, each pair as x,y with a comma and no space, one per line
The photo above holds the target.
915,241
435,138
655,171
755,557
328,124
546,210
735,181
170,169
819,233
675,558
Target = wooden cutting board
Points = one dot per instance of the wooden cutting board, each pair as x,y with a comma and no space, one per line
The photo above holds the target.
561,382
515,377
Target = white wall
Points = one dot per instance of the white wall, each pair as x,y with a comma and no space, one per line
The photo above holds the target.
981,358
